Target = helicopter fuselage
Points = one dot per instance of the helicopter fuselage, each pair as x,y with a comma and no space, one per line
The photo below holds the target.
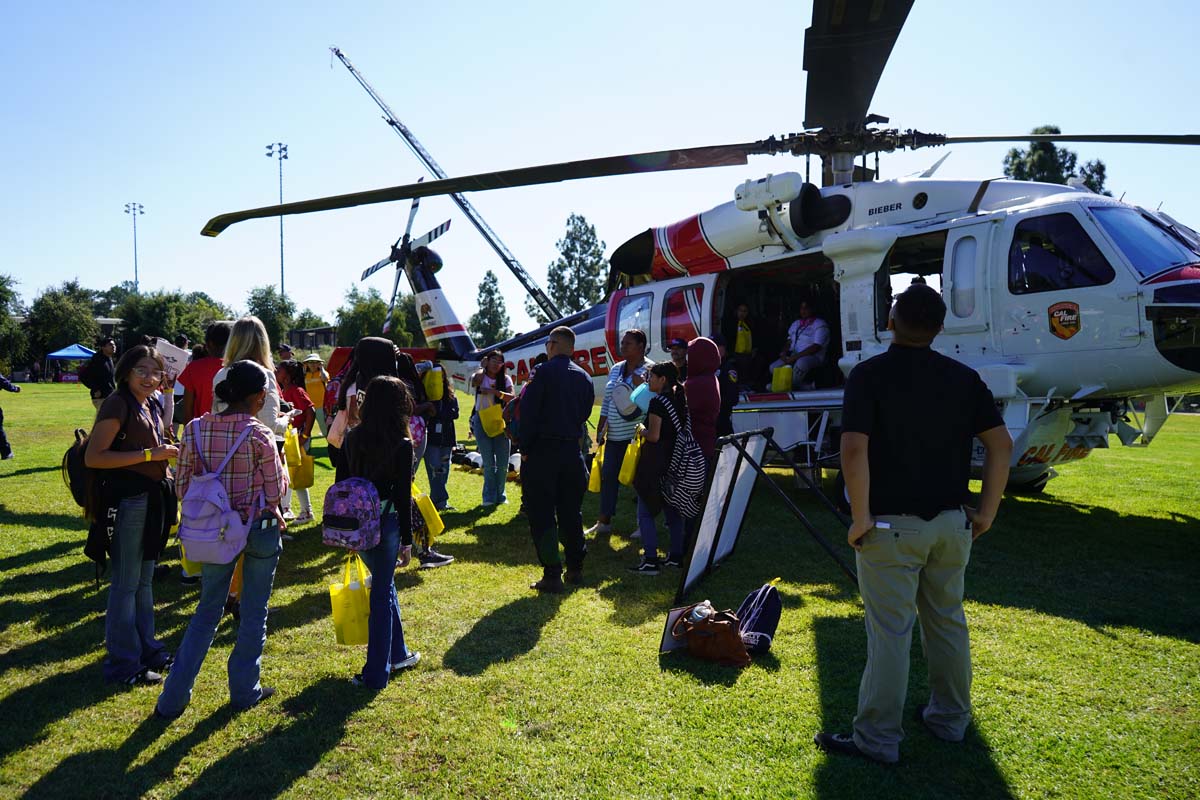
1080,312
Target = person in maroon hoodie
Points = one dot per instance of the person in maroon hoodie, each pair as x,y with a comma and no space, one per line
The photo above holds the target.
703,395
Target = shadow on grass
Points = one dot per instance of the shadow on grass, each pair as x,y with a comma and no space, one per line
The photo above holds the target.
928,768
32,471
313,723
62,522
504,634
29,558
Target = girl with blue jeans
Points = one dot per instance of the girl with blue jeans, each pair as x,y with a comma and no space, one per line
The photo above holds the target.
126,448
659,438
492,386
255,481
379,449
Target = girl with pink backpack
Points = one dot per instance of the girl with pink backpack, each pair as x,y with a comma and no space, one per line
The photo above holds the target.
242,450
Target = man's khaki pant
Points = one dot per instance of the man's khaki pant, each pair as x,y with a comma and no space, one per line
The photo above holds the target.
914,569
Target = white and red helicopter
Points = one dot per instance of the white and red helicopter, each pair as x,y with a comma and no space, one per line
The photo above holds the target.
1081,312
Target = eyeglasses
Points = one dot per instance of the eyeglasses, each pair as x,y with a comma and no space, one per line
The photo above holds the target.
153,374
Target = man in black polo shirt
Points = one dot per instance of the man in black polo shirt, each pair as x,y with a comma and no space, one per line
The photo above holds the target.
908,421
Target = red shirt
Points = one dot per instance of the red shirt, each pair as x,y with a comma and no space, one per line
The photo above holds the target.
300,400
198,376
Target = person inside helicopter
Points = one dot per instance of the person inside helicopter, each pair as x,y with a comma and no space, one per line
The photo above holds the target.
806,346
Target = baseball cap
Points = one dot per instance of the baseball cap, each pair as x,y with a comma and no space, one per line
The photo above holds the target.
676,343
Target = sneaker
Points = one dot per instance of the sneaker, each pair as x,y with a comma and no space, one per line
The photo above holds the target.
358,680
432,559
304,518
674,562
446,507
189,580
164,666
267,693
842,744
288,515
9,457
635,535
646,566
574,576
165,717
147,677
549,585
599,527
408,663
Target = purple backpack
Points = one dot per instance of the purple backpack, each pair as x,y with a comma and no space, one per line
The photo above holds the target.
211,531
351,517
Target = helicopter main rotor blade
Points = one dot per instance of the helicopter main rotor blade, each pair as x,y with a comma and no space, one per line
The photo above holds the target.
1101,138
378,265
423,241
659,161
845,52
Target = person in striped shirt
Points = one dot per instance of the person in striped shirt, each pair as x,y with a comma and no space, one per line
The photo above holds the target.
616,427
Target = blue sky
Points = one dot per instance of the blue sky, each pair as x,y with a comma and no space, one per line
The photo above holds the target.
171,106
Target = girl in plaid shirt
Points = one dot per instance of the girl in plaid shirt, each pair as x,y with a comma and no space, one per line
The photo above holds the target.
255,481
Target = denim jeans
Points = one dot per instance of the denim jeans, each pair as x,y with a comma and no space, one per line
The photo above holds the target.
495,451
5,449
129,618
385,634
437,467
649,530
614,454
245,662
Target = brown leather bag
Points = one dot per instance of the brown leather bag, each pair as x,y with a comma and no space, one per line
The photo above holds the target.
712,636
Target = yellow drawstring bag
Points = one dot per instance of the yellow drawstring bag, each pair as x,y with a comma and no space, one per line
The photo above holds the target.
629,463
781,379
433,520
351,600
492,419
594,478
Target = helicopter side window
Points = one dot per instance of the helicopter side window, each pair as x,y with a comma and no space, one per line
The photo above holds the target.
682,312
634,312
1052,253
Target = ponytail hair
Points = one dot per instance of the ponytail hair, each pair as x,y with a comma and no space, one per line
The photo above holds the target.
673,391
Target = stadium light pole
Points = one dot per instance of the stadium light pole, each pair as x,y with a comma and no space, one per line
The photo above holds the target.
133,209
279,150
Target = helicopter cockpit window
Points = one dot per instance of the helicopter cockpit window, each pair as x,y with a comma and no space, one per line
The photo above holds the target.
1054,252
634,312
681,313
1150,247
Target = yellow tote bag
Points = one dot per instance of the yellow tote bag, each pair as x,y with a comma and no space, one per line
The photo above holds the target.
351,601
781,379
291,447
629,463
434,386
433,520
302,475
190,568
492,419
597,463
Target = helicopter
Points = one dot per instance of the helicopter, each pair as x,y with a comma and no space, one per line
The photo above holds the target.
1080,312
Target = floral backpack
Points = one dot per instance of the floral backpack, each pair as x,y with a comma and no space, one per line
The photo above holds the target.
351,518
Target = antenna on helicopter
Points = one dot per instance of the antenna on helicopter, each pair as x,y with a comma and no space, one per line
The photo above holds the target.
539,297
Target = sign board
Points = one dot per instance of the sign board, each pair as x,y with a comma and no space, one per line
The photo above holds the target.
175,357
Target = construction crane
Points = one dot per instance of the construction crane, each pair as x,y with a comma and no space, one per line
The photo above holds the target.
543,301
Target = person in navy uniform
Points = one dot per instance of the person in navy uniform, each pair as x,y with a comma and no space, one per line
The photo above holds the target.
554,408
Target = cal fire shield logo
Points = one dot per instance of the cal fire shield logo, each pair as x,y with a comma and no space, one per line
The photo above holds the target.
1064,319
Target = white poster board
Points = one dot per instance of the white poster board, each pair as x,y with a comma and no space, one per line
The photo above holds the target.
733,481
175,357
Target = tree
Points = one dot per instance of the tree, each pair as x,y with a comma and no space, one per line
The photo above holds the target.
59,317
1049,164
490,324
577,278
106,303
14,344
168,314
275,311
363,315
308,319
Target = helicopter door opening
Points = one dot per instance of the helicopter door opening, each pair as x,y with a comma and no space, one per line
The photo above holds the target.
772,295
1063,294
912,260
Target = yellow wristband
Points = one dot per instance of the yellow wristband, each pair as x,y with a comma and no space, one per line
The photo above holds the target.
147,453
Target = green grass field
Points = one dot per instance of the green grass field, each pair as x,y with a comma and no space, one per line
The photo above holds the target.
1085,634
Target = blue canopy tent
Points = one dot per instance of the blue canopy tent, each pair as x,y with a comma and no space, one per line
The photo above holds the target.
75,352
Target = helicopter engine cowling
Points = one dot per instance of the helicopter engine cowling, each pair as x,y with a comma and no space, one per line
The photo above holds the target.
705,242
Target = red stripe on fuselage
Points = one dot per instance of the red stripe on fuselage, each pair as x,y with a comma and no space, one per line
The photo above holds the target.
446,329
689,248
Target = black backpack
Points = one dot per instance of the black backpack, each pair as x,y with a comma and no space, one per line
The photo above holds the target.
758,617
80,478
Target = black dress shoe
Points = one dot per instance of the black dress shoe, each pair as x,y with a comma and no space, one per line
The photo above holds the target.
549,585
